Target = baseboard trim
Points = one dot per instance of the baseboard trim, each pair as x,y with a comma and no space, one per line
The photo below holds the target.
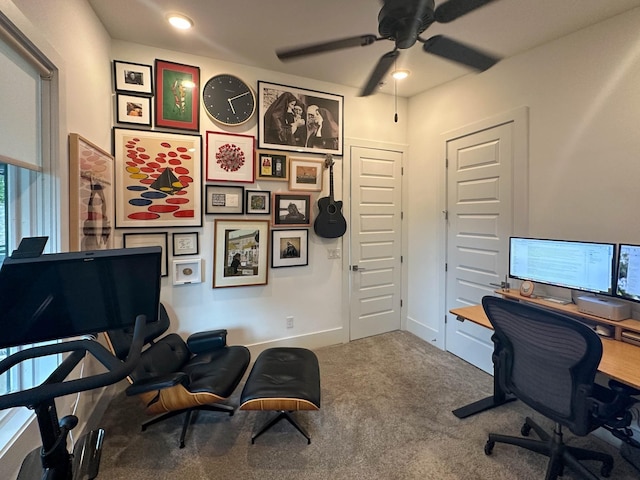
424,332
310,341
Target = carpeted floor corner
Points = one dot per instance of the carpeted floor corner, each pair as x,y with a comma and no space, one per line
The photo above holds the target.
386,414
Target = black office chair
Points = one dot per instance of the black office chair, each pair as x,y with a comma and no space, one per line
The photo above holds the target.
174,377
549,361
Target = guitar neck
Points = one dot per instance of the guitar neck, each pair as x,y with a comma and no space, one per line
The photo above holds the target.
331,183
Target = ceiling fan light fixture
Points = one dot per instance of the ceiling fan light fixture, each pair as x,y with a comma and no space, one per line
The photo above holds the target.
179,21
400,74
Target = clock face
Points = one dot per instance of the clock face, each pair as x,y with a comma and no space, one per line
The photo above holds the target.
228,99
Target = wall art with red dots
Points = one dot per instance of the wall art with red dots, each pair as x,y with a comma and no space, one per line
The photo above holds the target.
158,179
230,157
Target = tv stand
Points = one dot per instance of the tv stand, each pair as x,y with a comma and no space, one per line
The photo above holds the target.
52,461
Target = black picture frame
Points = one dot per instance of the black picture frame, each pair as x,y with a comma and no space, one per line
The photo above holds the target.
273,112
289,247
136,78
291,209
257,202
133,109
185,243
224,200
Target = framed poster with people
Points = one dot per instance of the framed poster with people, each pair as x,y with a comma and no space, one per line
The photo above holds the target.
299,120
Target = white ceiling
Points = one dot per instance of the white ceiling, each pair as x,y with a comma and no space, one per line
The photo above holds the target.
249,31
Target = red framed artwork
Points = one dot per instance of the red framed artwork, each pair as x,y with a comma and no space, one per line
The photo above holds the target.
177,96
230,157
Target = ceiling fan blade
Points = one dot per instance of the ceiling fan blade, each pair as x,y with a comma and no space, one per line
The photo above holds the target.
458,52
383,66
452,9
359,41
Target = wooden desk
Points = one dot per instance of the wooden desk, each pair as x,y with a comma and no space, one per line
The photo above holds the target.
620,361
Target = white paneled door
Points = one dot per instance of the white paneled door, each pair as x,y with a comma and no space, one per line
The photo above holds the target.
376,241
480,221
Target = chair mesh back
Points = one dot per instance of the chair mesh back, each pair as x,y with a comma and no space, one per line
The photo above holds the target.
548,355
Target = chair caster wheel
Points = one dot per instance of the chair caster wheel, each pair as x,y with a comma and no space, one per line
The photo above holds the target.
526,428
488,447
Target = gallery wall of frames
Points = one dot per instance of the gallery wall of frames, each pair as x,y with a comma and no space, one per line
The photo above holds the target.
163,177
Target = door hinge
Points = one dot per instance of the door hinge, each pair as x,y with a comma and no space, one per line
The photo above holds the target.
401,171
401,215
400,303
446,162
446,267
401,259
446,214
445,319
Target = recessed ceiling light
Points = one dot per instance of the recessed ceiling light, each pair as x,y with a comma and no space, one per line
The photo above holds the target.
400,74
179,21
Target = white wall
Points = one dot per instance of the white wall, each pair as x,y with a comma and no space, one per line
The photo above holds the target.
584,111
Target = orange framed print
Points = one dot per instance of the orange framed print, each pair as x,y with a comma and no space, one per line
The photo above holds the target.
91,191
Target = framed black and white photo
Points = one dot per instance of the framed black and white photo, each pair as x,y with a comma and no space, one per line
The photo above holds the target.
133,77
291,210
223,199
289,248
299,120
257,202
159,239
187,271
133,109
185,243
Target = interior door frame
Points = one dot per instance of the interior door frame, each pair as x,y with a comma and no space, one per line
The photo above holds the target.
349,144
520,187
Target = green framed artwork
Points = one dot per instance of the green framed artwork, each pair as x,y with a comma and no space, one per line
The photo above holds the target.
177,96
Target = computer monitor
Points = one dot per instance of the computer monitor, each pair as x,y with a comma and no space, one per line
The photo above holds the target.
628,272
62,295
585,266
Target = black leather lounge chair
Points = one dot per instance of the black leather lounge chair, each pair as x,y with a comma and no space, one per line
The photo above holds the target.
174,377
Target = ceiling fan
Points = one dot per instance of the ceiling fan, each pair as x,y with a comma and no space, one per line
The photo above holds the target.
402,21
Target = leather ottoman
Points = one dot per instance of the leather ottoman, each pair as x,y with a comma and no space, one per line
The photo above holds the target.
283,379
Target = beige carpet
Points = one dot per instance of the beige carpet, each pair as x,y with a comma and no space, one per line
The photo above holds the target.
386,414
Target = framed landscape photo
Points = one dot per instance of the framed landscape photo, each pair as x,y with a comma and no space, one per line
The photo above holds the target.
158,179
177,96
299,120
290,209
305,174
132,240
289,248
133,78
240,253
224,199
185,243
91,196
230,157
257,202
271,166
133,109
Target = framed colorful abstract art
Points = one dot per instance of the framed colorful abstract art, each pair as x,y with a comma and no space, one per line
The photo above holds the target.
91,196
158,179
177,96
230,157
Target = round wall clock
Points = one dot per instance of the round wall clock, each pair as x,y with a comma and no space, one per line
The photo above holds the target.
228,100
526,288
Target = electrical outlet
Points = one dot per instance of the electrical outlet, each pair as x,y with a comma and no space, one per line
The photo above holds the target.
289,322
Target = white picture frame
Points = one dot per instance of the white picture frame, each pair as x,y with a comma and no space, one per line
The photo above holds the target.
187,271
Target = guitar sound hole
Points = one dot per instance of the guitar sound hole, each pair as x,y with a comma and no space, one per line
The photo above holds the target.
331,209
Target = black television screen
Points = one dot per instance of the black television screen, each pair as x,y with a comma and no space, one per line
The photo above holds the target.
63,295
628,273
585,266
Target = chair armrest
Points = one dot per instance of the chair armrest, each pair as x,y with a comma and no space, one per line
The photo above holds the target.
208,341
157,383
611,405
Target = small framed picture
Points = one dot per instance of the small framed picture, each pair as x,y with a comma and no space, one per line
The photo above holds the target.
187,271
133,77
133,109
271,166
222,199
305,174
290,209
185,243
257,202
230,157
240,253
131,240
289,248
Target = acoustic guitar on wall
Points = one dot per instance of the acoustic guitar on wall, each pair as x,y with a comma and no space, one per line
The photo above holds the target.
330,223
